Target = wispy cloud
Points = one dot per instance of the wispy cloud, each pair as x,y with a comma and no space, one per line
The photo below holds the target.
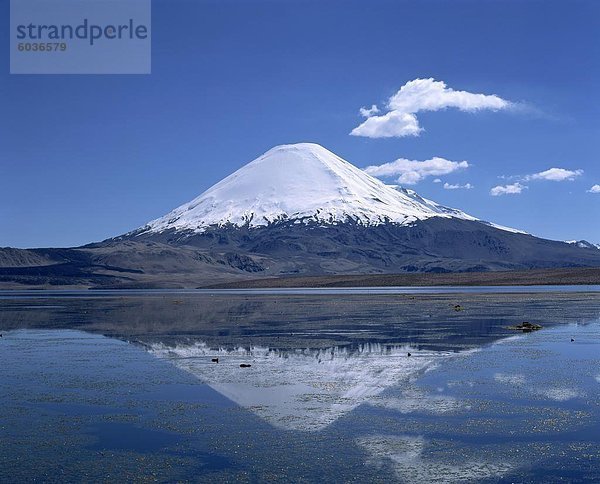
555,174
594,189
513,189
410,172
551,174
466,186
422,95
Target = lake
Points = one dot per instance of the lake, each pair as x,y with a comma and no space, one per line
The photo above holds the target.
378,385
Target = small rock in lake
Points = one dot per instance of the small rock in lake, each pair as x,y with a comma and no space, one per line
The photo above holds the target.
215,360
409,354
526,327
458,307
245,365
571,339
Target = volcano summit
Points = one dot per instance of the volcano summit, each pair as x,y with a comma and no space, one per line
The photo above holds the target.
303,183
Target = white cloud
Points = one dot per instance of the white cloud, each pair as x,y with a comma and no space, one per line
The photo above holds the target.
422,95
555,174
431,95
466,186
390,125
594,189
368,112
514,189
437,180
551,174
410,172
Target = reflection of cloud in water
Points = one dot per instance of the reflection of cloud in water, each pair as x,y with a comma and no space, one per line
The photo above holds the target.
560,394
514,379
307,389
508,340
557,393
406,456
460,383
598,378
416,400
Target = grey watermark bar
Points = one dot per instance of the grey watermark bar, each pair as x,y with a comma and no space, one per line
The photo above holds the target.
80,37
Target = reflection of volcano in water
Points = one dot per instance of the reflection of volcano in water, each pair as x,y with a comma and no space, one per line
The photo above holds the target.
304,389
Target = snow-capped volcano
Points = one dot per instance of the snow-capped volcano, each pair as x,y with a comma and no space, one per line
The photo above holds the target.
300,182
297,210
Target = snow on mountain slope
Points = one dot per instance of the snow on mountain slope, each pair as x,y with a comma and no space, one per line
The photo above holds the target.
583,244
304,183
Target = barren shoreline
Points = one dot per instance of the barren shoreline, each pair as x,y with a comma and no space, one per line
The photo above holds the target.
536,277
577,276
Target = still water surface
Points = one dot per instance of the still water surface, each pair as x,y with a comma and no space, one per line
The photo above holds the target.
123,386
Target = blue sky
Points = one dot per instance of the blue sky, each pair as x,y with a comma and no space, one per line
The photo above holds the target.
86,157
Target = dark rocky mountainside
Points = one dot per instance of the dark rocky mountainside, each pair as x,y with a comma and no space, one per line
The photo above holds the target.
219,255
433,245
